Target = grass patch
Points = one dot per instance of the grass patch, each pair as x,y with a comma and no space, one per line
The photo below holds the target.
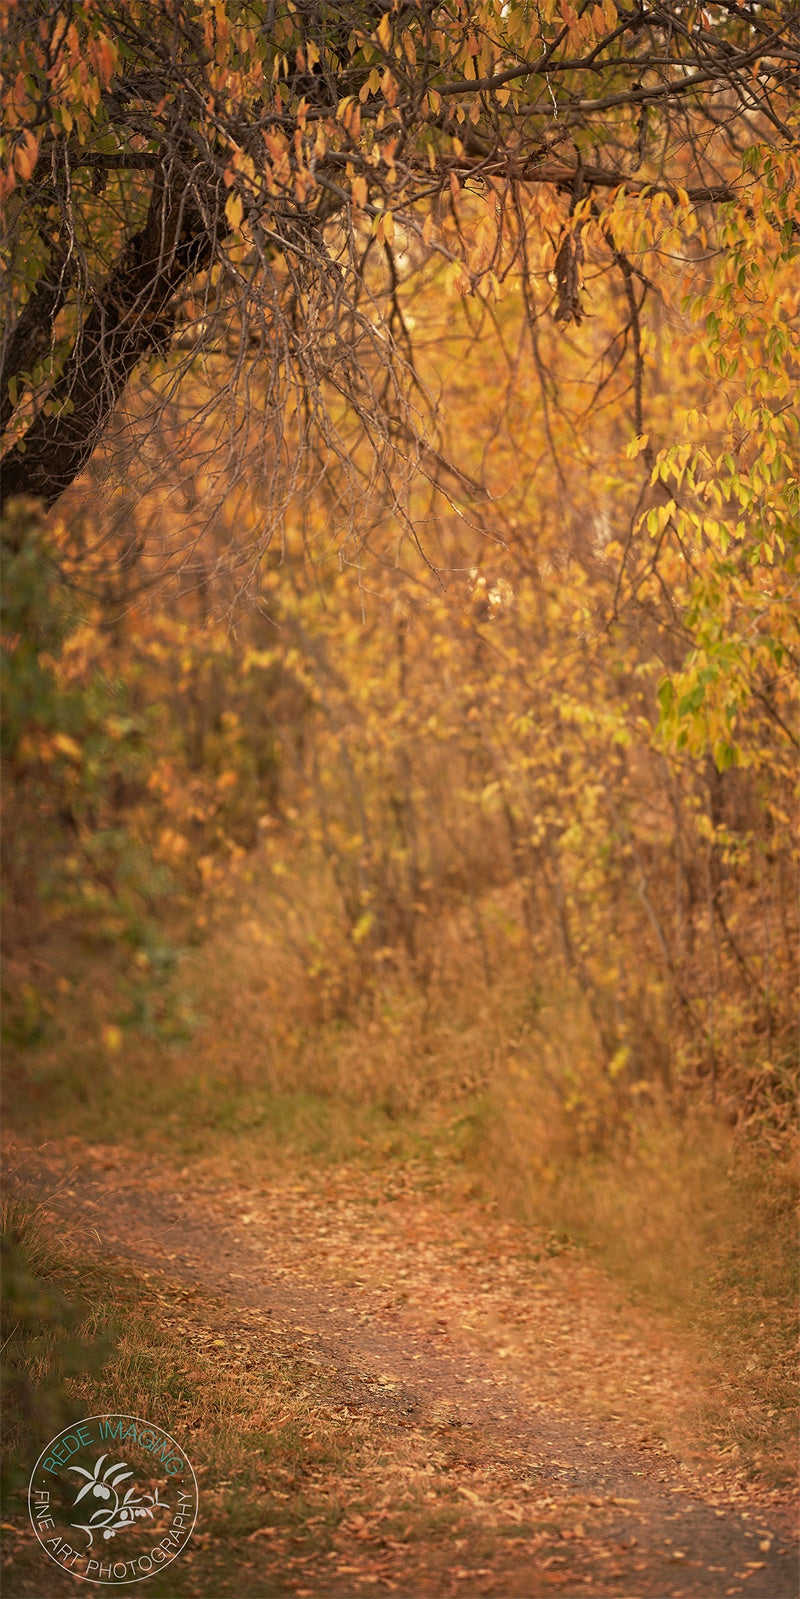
693,1222
255,1081
484,1091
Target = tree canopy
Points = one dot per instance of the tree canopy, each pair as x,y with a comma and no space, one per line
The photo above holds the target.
464,342
225,201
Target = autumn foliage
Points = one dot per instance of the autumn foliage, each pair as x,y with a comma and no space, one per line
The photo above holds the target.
443,555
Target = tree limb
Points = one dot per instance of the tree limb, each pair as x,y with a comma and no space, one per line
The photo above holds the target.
129,319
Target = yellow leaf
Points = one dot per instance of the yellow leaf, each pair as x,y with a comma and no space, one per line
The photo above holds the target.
385,30
66,746
363,927
112,1039
383,227
234,210
25,154
637,445
619,1061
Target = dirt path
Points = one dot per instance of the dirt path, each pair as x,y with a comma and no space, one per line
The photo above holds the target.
536,1368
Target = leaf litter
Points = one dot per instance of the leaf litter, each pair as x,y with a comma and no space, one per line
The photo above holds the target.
522,1429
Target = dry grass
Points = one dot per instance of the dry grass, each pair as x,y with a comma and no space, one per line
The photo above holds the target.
490,1087
693,1222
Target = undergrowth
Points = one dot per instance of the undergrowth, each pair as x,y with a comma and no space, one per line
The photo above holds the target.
483,1087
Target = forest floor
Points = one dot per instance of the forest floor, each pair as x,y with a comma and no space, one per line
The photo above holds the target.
407,1396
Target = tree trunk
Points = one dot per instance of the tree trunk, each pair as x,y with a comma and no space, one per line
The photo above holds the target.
131,317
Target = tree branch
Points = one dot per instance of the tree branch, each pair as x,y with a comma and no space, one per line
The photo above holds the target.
30,337
129,319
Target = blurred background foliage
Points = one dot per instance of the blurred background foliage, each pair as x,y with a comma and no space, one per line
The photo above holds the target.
486,840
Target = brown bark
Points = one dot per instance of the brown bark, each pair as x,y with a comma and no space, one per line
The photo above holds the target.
130,318
30,336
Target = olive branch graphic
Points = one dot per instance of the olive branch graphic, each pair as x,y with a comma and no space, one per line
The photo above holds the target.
115,1513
